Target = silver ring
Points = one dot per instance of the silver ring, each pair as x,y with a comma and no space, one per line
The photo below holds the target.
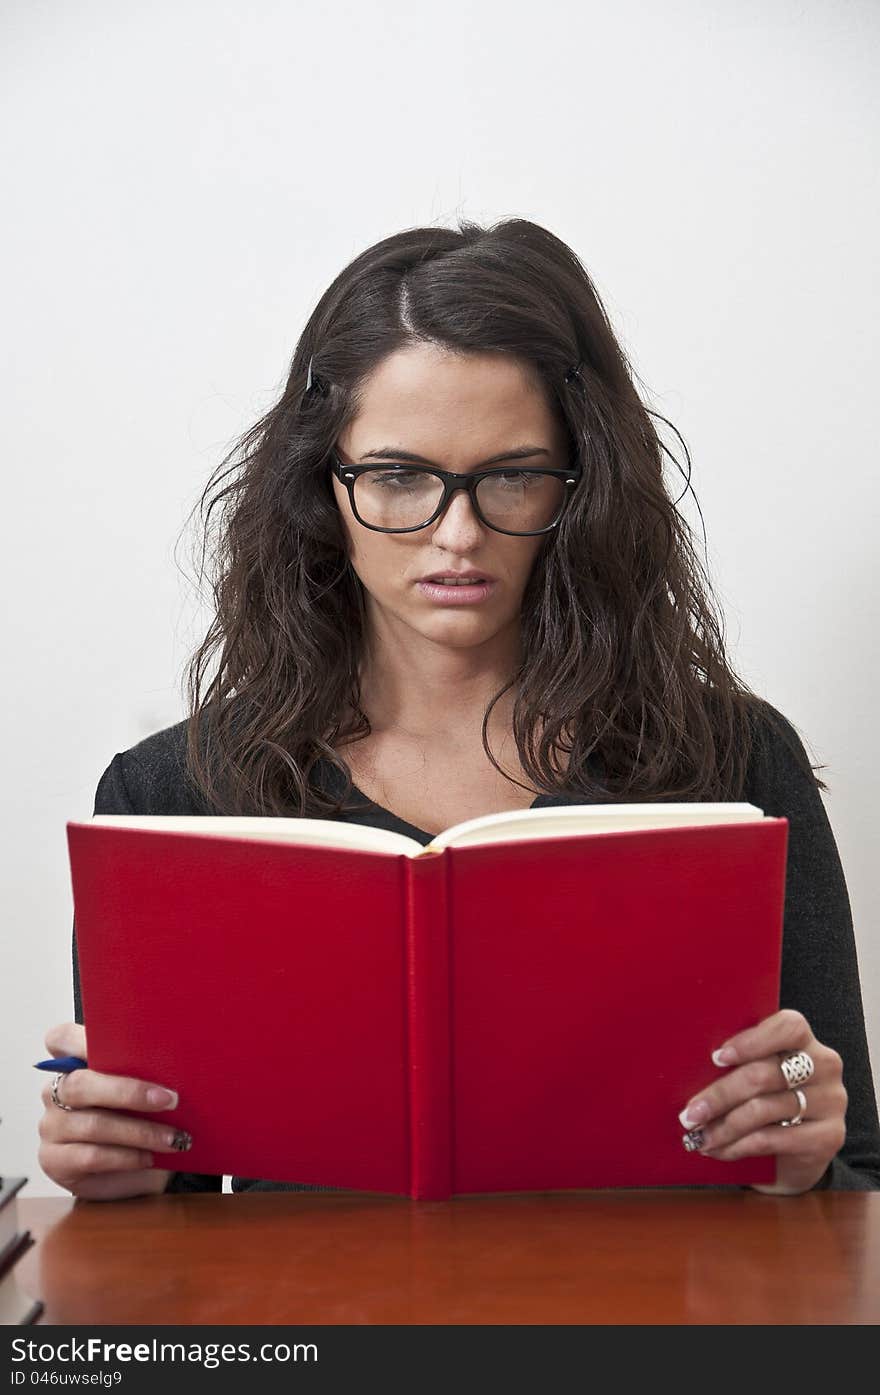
797,1068
802,1109
55,1084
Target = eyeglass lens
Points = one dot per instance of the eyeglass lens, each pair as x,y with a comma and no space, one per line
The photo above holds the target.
518,500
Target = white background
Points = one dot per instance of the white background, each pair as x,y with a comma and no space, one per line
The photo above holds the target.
182,181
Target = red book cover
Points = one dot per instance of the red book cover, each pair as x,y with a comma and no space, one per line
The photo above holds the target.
513,1016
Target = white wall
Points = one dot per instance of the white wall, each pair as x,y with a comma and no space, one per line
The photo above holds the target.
182,181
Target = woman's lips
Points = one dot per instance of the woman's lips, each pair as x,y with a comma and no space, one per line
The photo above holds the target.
456,595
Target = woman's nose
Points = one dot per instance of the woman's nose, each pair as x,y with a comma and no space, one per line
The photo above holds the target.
459,515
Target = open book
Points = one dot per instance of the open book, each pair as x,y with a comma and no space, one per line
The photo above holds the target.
524,1004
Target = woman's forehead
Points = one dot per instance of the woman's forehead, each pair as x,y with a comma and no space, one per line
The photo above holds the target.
423,398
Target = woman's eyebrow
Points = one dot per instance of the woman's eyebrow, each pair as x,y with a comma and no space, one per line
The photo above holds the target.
393,453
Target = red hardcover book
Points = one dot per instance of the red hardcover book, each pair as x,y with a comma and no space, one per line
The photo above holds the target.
524,1004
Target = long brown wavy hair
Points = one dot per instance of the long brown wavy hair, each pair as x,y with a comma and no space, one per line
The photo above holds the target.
623,658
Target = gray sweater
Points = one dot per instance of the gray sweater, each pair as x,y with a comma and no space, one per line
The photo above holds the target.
819,968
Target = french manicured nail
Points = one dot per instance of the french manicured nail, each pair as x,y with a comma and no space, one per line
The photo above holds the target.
179,1140
165,1099
724,1056
692,1141
694,1114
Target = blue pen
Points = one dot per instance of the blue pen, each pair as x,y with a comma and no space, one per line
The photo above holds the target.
62,1063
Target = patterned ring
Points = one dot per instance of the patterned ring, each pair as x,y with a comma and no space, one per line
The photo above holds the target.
802,1109
55,1084
797,1068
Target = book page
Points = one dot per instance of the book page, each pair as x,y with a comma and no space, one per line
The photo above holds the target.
576,819
517,825
333,833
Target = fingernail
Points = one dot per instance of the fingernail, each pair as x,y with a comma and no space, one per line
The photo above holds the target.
179,1140
694,1114
692,1141
724,1056
165,1099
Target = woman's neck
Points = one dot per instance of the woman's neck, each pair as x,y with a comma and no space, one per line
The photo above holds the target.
434,694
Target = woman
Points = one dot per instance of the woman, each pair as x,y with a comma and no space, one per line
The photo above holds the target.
458,404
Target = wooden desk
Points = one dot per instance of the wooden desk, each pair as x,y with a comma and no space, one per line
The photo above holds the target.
588,1257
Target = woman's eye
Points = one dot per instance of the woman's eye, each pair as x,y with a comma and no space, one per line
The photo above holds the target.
522,477
395,476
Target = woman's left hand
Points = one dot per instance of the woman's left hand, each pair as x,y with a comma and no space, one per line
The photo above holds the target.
741,1114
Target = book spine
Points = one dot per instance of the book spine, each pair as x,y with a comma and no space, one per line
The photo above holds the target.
429,1008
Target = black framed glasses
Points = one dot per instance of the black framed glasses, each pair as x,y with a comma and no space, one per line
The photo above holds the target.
404,498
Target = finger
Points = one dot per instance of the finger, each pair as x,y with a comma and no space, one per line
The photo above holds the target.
109,1186
84,1088
787,1030
69,1162
762,1077
67,1039
820,1138
106,1127
762,1110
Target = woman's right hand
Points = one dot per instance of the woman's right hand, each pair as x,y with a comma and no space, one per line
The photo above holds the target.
90,1149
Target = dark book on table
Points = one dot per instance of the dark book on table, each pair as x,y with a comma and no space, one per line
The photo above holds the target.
17,1308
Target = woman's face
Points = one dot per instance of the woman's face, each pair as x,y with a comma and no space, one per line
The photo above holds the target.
454,411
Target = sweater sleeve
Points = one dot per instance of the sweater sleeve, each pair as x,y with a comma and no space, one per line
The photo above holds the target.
820,975
123,789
